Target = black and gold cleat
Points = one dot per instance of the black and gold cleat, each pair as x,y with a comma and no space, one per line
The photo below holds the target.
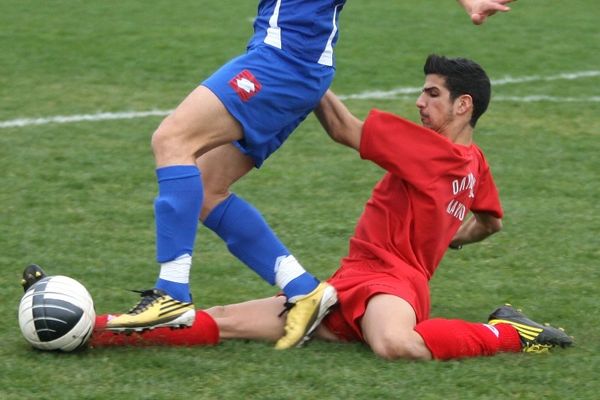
535,337
31,274
155,309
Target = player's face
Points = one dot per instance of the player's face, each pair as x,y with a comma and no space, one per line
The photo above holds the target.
434,104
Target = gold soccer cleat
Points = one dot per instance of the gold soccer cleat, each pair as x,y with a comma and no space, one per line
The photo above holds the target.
305,315
155,309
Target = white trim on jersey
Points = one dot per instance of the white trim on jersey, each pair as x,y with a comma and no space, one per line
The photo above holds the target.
327,55
273,37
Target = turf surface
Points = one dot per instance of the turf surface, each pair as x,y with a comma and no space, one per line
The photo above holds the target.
77,197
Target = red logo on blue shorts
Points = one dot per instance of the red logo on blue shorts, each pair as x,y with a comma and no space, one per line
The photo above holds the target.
245,85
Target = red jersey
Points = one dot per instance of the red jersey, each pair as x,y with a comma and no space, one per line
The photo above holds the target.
419,204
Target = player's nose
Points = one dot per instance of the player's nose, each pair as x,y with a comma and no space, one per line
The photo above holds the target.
420,103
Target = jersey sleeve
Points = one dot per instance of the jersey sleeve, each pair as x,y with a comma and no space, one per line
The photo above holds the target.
413,152
487,198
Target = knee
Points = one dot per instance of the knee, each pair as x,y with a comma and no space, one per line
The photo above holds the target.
175,141
393,346
165,136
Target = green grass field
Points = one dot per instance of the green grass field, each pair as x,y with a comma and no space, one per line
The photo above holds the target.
77,197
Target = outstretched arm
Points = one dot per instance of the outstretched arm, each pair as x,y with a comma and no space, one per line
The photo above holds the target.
475,229
338,121
479,10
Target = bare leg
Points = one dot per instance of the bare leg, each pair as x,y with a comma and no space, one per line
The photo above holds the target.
388,328
200,123
221,167
254,319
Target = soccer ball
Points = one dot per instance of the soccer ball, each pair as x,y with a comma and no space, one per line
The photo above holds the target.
57,313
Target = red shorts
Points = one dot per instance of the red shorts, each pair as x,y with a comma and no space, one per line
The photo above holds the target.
357,281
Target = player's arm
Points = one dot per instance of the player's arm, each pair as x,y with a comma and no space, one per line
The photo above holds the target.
479,10
478,227
338,121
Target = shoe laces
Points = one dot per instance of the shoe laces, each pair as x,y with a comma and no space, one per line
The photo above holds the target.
287,306
149,296
536,348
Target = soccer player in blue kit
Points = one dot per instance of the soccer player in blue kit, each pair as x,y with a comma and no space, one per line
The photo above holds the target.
226,126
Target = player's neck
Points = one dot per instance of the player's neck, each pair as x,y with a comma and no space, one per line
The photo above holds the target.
460,133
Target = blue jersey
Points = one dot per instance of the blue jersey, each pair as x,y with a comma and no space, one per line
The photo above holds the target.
279,81
306,29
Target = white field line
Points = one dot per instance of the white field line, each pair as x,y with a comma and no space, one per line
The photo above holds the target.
65,119
398,93
515,99
550,99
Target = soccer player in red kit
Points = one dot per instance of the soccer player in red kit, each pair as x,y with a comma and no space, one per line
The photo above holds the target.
435,177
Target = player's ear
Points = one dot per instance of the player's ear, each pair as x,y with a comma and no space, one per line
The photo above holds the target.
464,104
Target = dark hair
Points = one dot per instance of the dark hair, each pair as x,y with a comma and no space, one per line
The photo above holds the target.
462,76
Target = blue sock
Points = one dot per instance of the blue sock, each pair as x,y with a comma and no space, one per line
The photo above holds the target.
301,285
250,239
177,209
178,291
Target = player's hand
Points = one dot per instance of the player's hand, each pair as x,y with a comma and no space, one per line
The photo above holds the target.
479,10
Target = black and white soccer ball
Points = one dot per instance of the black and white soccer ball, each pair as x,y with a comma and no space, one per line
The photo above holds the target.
57,313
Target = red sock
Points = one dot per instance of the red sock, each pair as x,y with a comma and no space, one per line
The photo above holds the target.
452,338
204,331
510,341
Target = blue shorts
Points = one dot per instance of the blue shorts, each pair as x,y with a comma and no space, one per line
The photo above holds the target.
269,92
